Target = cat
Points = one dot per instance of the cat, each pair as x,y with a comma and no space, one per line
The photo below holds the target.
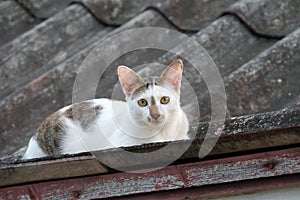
151,113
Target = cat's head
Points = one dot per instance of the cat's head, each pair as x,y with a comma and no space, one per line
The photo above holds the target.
154,102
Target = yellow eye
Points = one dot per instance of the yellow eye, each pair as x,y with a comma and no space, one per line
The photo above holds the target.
142,102
165,100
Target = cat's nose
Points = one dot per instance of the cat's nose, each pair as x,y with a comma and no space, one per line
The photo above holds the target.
155,116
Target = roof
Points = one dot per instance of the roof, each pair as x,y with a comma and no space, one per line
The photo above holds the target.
255,45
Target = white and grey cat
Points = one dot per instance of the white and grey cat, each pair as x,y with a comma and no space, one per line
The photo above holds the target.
152,113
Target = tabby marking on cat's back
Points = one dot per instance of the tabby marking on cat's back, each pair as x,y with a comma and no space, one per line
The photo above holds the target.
51,132
83,112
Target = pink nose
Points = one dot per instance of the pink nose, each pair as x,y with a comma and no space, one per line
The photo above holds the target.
155,116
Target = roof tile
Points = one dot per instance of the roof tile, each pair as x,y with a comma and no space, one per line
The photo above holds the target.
193,15
268,17
14,20
269,81
43,9
45,45
196,14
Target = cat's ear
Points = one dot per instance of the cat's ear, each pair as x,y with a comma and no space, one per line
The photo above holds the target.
129,80
171,77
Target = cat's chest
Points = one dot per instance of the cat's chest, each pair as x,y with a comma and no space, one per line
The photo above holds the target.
121,138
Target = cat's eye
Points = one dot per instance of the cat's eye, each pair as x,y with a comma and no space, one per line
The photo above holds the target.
165,100
142,102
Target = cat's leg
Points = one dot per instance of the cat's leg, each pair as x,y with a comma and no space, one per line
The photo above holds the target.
33,150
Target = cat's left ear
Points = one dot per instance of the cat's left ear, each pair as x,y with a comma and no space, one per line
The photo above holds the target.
129,80
171,77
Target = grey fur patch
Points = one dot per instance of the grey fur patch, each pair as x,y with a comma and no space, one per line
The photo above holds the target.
153,100
49,134
144,87
153,107
139,90
84,113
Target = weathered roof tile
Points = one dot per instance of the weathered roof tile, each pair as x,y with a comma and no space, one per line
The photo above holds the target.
269,81
43,9
14,20
45,45
268,17
193,15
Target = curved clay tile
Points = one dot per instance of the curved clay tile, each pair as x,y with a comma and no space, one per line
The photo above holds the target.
14,20
268,17
268,82
193,15
45,45
44,9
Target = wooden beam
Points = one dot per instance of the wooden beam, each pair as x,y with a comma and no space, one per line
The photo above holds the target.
43,170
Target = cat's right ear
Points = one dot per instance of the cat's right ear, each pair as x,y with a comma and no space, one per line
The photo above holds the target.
129,80
172,75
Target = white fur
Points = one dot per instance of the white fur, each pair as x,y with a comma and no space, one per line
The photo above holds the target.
33,150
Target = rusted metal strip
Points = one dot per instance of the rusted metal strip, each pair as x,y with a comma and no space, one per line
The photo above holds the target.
103,186
261,165
245,167
221,190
